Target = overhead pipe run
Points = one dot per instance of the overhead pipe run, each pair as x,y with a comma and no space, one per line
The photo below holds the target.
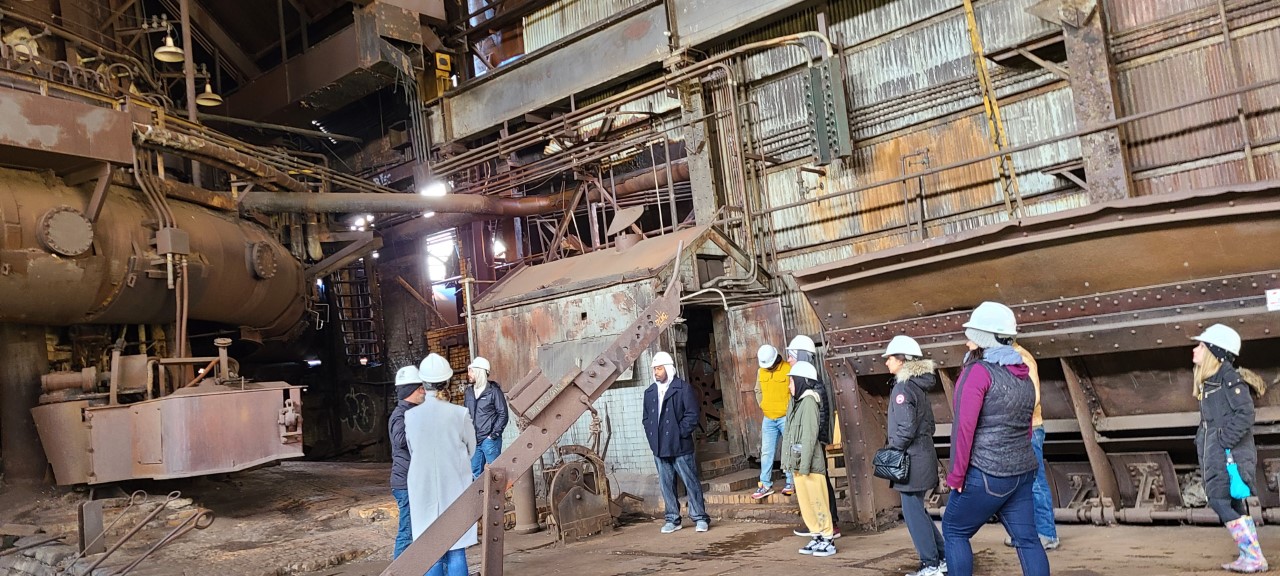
198,148
473,204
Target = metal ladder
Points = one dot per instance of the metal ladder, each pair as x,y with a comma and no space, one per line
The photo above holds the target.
356,298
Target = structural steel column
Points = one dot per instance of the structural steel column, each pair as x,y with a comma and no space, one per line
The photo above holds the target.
1103,476
1093,87
526,501
698,153
25,360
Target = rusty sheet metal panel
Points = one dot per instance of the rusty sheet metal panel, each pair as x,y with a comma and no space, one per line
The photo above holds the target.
747,328
1125,15
1264,118
1192,132
563,18
962,190
61,134
187,434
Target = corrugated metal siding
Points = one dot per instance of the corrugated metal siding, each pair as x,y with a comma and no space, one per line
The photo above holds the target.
1264,118
1203,130
1128,14
565,17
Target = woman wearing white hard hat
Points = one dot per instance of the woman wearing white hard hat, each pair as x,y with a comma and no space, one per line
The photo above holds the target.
773,397
802,349
804,454
488,408
910,429
409,393
1225,436
441,441
993,465
670,414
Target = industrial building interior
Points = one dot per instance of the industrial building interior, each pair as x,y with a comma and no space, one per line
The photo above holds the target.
238,219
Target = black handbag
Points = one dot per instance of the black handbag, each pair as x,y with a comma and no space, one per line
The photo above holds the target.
892,464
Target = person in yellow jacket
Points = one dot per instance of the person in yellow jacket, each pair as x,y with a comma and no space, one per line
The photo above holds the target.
774,396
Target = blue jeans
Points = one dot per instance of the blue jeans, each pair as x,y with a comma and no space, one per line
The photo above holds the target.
454,563
984,496
486,452
687,468
770,432
1040,490
404,534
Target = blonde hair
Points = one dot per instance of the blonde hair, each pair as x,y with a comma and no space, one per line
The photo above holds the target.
1210,365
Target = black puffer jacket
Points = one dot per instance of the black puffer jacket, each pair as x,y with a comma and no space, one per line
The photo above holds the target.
911,424
1226,422
488,412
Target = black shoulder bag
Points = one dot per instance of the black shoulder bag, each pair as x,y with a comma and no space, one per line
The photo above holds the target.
892,464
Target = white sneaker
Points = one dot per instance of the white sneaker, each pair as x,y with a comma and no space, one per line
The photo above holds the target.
808,549
702,526
824,547
927,571
670,527
942,567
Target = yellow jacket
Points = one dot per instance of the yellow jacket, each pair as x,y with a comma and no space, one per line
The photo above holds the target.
1036,418
772,391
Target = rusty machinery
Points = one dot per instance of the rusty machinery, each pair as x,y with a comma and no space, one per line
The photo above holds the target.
579,499
546,411
1107,297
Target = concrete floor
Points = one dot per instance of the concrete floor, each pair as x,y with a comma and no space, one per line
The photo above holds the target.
332,519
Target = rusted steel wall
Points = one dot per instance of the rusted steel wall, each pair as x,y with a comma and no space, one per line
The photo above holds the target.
512,338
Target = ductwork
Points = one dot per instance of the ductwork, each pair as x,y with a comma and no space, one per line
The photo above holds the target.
240,275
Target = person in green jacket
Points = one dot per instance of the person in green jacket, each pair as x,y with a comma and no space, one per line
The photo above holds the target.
805,457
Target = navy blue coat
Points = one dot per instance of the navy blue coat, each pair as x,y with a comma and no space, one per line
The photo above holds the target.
671,433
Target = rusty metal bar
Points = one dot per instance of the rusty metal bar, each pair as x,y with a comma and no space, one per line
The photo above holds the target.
543,431
344,256
279,128
1103,475
493,520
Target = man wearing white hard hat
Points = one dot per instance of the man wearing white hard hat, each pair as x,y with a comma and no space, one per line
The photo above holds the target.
409,393
488,407
773,397
441,440
671,414
1224,438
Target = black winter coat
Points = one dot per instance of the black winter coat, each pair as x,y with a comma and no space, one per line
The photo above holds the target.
488,412
911,424
1226,422
399,447
670,434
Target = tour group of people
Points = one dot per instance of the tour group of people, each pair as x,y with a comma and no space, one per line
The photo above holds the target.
996,465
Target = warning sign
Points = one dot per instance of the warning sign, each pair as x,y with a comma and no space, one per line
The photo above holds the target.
1273,300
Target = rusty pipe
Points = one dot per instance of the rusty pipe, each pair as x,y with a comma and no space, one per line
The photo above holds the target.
475,204
200,148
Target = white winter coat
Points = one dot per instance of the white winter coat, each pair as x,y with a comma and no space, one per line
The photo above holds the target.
441,441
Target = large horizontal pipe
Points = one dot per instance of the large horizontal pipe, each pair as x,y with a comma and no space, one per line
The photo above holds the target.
340,202
199,148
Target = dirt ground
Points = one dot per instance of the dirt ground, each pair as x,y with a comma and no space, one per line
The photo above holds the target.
338,519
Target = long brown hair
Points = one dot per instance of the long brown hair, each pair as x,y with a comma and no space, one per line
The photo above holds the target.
1209,365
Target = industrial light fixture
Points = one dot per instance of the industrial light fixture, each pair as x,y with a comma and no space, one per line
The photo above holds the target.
208,97
433,188
169,52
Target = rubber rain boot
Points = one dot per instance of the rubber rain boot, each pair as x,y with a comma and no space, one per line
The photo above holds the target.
1245,533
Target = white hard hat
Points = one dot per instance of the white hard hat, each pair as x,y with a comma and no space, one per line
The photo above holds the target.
480,363
804,370
767,355
905,345
662,359
1221,336
434,369
803,343
993,317
408,375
